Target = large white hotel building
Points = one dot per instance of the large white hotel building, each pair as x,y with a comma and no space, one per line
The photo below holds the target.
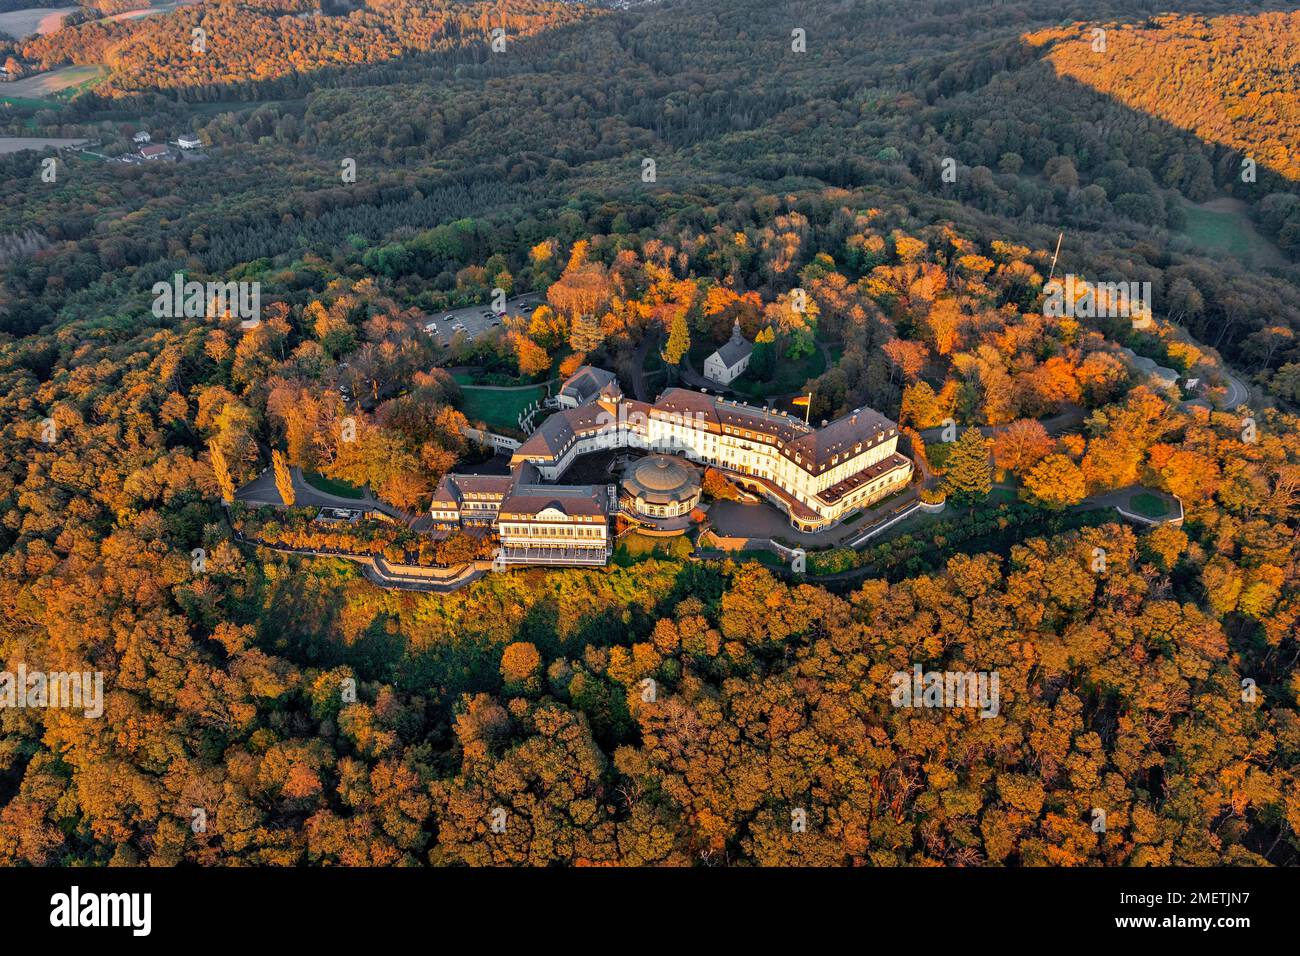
816,475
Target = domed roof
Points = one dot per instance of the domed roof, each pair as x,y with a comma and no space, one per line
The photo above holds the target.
661,479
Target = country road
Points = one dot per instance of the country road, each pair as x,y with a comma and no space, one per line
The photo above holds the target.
1238,392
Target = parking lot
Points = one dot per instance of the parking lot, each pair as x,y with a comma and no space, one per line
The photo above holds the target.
478,319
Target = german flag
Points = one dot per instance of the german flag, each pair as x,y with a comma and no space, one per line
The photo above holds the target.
802,400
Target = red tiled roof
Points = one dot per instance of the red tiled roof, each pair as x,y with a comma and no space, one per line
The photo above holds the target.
572,500
883,467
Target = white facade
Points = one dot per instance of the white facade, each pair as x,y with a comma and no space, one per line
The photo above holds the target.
716,370
555,524
730,361
815,475
814,489
552,537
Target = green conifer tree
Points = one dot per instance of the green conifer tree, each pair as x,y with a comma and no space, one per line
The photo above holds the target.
969,476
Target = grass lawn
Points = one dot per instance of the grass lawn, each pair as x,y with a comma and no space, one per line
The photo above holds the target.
634,547
65,81
332,486
788,377
766,558
496,409
1225,226
27,102
1149,505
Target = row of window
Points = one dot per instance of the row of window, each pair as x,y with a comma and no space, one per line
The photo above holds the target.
550,531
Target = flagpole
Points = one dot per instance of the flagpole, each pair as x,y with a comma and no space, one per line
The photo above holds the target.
1055,254
807,409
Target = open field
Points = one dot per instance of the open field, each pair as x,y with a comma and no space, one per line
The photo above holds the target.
1223,225
21,24
498,409
44,85
151,10
16,144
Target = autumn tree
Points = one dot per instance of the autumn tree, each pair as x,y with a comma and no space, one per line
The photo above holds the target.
531,357
221,471
521,667
585,334
679,339
1056,481
283,479
715,485
1021,445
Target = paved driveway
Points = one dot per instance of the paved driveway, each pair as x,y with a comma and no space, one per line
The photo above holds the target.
736,519
262,491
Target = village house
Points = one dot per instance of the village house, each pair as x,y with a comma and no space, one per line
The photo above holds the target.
730,360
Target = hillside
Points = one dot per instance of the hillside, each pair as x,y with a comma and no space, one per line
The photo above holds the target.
1230,80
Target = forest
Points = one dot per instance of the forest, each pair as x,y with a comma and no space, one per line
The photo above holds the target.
318,719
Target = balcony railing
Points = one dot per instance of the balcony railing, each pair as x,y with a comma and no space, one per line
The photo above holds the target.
514,554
